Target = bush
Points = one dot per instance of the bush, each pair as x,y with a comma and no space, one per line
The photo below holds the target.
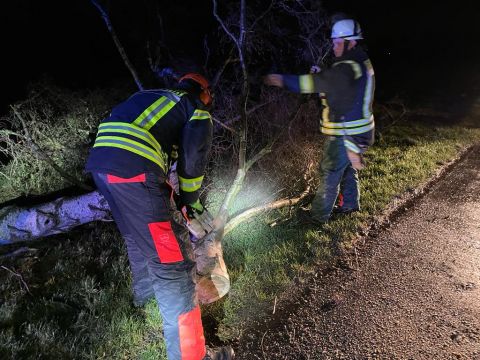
62,124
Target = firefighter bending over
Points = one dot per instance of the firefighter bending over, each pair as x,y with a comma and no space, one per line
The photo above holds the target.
129,162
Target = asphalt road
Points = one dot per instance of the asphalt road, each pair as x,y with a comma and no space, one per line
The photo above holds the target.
414,292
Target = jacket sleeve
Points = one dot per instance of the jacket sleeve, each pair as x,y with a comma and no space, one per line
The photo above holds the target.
326,81
195,144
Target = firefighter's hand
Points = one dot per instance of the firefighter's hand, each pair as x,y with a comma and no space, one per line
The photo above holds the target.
356,160
198,219
273,80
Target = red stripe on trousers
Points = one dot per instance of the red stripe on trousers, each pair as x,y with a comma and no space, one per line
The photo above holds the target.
192,340
340,199
112,179
165,242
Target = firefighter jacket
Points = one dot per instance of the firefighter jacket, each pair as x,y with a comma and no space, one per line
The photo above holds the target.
151,130
346,90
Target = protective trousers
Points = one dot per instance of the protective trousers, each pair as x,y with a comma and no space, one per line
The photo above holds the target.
336,172
160,261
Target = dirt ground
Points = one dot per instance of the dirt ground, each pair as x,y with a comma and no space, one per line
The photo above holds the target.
412,291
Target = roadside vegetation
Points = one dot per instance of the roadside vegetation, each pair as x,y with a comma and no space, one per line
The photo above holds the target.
68,296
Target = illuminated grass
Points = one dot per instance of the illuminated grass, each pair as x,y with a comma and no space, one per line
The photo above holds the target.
79,305
80,301
263,261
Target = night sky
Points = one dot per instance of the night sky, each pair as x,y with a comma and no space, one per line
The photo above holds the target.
423,48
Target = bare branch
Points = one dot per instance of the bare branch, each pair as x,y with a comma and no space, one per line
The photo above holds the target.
16,253
266,150
119,46
262,15
207,53
219,73
278,204
249,111
222,24
241,38
20,277
223,125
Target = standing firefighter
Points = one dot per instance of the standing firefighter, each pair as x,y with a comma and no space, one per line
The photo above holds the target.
129,162
346,90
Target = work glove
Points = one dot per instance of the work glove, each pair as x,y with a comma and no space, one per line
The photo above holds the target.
315,69
356,160
198,220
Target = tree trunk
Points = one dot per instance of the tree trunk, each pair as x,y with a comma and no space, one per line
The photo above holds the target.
19,224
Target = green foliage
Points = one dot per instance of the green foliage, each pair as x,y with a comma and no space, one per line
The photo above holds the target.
62,124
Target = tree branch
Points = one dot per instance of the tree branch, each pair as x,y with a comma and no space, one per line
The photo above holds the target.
219,73
20,277
119,46
38,151
262,16
222,24
238,182
249,111
250,213
223,125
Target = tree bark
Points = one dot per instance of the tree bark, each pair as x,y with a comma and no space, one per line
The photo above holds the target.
19,224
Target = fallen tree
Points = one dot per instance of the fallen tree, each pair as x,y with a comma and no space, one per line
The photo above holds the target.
18,224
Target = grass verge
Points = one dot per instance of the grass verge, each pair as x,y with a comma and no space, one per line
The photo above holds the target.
70,298
263,261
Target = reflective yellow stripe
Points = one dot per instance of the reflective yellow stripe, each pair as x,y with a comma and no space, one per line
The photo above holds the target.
158,109
133,146
190,185
325,110
347,131
355,66
154,112
125,128
369,89
306,84
200,115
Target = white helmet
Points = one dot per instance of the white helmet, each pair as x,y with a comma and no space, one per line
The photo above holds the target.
347,29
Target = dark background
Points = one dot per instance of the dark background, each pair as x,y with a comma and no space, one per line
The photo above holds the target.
420,49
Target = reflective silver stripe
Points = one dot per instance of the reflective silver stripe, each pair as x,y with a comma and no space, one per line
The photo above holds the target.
346,124
149,116
349,131
173,95
133,146
368,98
352,146
118,127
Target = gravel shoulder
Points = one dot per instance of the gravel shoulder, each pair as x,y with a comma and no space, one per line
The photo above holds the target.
412,291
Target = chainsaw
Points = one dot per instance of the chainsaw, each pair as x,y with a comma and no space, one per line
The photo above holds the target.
199,224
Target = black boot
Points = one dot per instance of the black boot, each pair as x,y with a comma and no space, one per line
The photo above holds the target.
222,353
305,218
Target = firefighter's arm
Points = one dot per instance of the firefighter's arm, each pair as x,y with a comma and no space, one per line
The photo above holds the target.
323,81
193,155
